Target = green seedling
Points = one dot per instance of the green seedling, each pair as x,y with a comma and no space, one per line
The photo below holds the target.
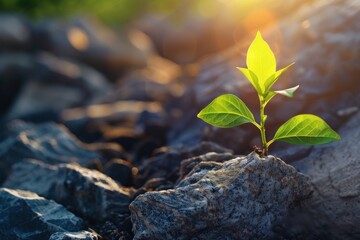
228,110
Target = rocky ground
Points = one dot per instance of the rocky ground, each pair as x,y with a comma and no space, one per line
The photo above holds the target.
99,137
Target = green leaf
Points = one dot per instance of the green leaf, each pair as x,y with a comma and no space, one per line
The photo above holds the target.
261,60
269,96
252,78
287,92
305,129
273,78
226,111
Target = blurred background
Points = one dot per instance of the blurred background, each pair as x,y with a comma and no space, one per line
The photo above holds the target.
136,73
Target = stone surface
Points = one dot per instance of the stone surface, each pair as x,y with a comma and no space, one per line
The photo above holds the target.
83,235
50,143
334,169
25,215
120,170
189,164
165,164
14,69
113,122
15,32
244,197
47,79
90,41
89,193
189,131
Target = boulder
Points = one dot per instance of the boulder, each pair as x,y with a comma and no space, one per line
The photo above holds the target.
113,122
14,70
120,170
15,32
245,197
25,215
166,162
89,193
83,235
45,82
87,40
50,143
334,211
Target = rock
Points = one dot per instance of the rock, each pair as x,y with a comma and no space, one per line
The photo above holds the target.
83,235
190,130
189,164
244,197
50,143
334,169
89,193
25,215
158,82
186,36
115,112
165,164
115,232
14,69
15,33
119,170
89,41
47,81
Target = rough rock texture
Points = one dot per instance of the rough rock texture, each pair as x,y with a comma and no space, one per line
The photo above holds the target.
243,198
48,142
25,215
166,164
334,210
83,235
86,192
189,164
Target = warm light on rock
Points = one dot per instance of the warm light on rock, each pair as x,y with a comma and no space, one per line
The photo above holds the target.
78,38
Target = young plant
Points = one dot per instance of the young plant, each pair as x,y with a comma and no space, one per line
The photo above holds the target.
229,111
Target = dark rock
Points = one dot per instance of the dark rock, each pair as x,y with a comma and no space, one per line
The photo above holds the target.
89,41
71,73
158,82
334,169
241,198
83,235
111,231
15,33
119,170
49,78
87,192
112,120
346,112
48,142
188,165
158,184
185,38
25,215
290,153
165,164
109,150
14,69
190,130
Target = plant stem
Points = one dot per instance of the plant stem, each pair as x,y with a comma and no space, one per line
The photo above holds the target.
262,126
